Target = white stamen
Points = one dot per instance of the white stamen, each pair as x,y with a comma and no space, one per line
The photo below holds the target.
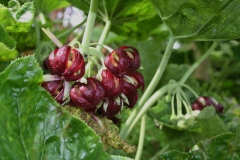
202,101
83,80
105,105
67,87
49,77
124,98
128,79
118,100
118,115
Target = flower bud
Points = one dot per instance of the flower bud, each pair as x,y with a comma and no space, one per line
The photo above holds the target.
113,85
67,63
53,87
130,91
137,80
87,96
121,61
56,89
205,101
110,107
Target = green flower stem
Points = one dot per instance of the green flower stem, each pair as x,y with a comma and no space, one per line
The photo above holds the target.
164,149
99,47
197,63
141,138
150,88
90,24
42,18
153,99
179,104
37,32
69,31
104,34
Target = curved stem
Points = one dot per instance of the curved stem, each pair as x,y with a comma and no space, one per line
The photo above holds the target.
153,99
179,104
197,63
42,18
151,87
69,31
99,47
141,138
90,24
104,34
164,149
191,90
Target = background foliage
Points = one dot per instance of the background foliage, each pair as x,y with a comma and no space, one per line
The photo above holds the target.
32,121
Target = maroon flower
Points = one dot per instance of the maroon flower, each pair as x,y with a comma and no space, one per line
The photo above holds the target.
122,61
138,80
67,63
87,96
113,85
110,108
205,101
56,89
130,91
53,87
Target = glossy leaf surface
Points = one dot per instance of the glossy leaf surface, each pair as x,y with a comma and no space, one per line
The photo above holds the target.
219,147
33,126
201,20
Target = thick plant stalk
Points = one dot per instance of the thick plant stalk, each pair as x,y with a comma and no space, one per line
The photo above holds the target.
99,47
90,24
153,99
141,138
104,34
164,149
197,63
125,130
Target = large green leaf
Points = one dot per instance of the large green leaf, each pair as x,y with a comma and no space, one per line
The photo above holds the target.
201,20
174,155
16,18
219,147
7,46
33,126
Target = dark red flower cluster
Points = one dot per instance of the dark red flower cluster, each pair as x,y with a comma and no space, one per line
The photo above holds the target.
204,101
67,64
106,96
121,81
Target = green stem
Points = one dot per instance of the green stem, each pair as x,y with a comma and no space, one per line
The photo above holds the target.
197,63
164,149
150,88
141,138
101,41
69,31
104,34
90,24
153,99
179,104
42,18
37,31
